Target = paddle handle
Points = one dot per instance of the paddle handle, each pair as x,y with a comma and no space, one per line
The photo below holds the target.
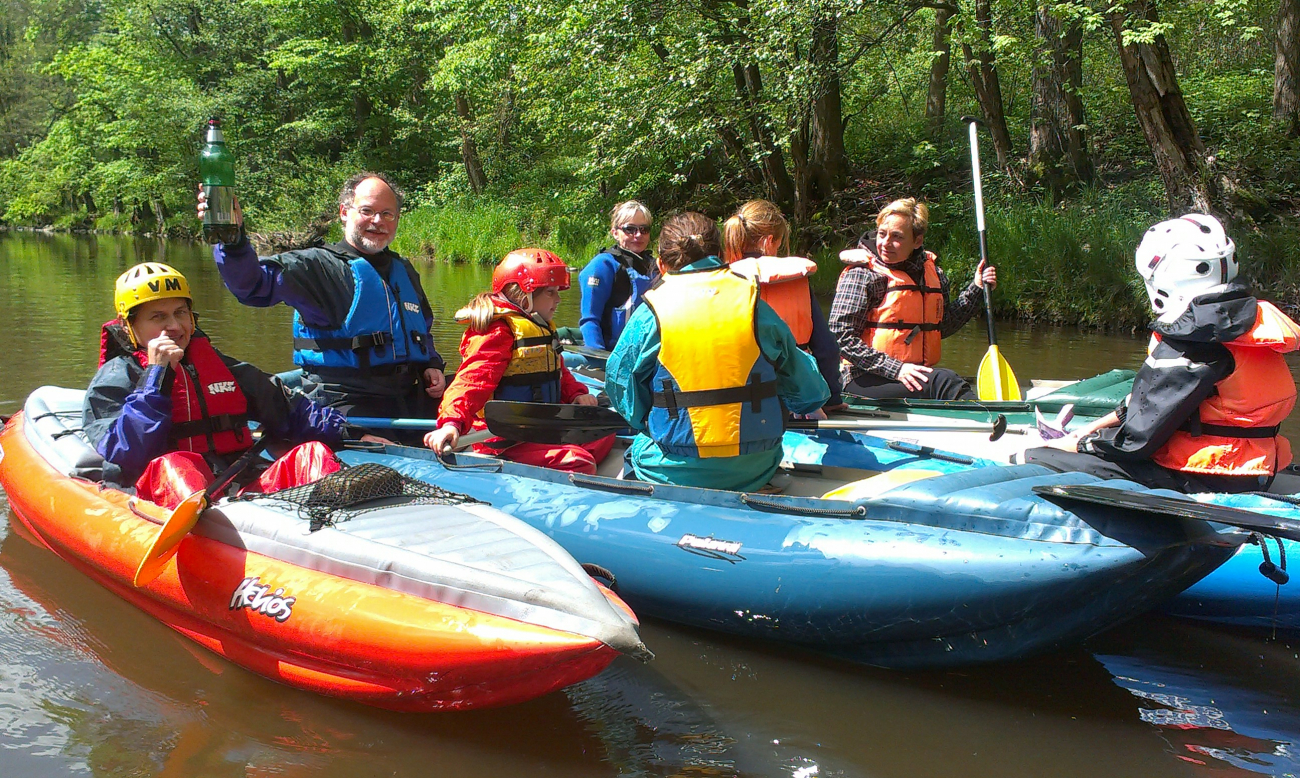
382,423
978,179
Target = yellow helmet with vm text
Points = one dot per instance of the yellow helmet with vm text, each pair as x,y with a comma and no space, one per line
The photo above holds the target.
148,281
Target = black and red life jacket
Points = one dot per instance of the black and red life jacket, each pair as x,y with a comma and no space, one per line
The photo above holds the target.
209,411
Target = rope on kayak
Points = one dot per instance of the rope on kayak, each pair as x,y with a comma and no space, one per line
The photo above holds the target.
786,505
611,484
596,571
352,491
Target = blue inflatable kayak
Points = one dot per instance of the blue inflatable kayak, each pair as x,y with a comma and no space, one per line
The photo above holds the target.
964,566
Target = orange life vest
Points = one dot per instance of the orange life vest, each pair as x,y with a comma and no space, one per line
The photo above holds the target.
1236,431
783,284
906,323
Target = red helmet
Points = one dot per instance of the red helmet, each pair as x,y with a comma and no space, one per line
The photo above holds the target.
532,269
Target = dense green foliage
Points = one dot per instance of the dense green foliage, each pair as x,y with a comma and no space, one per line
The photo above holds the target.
510,123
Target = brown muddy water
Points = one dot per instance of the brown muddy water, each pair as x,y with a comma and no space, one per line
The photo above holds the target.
91,686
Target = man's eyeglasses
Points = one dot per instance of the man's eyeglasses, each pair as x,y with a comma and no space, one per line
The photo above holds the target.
370,213
636,229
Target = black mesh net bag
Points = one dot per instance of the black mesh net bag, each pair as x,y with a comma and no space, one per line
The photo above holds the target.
353,491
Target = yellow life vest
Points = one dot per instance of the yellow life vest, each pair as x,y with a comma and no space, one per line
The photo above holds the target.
533,374
714,391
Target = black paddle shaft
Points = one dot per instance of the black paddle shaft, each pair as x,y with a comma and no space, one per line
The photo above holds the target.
1146,502
238,466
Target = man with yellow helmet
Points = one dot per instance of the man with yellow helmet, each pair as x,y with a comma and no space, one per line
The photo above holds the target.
166,410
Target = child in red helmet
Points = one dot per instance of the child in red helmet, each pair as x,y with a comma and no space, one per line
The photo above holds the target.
510,352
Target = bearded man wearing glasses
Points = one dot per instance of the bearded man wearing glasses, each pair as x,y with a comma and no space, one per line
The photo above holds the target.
361,327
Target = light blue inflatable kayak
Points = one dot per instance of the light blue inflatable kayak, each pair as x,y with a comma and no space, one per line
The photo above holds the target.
965,566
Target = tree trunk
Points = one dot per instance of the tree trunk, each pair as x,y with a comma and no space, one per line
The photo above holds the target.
749,85
936,97
1058,152
1286,68
988,87
827,135
468,150
1179,153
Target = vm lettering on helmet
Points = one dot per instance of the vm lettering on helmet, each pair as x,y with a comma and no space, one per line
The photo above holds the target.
251,594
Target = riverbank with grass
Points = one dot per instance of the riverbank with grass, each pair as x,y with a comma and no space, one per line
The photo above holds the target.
1069,263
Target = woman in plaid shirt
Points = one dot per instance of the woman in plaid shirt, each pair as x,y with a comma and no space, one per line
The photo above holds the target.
892,307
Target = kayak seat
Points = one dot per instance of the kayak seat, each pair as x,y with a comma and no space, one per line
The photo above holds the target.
53,426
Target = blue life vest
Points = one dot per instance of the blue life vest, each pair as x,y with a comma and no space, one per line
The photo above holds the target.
385,326
714,391
629,279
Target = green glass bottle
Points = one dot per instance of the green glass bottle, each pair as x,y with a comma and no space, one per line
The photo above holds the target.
217,169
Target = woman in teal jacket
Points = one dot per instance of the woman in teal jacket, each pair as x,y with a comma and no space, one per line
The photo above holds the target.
705,370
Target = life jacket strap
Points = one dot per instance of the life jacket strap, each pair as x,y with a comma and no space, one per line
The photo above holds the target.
915,288
211,425
753,393
366,341
1196,428
529,379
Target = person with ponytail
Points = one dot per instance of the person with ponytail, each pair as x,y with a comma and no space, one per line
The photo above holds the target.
510,351
754,242
705,370
614,280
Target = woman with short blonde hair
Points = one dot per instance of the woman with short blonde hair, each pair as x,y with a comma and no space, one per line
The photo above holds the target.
892,309
614,280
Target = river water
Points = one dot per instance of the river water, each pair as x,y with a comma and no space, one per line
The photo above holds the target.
91,686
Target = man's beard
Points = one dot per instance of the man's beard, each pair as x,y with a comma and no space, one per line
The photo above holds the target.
368,243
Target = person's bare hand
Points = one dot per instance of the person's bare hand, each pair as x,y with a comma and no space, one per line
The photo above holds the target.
914,376
442,439
435,383
368,438
203,207
164,351
585,399
1068,443
986,275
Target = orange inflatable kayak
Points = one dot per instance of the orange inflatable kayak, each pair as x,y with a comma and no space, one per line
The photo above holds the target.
402,601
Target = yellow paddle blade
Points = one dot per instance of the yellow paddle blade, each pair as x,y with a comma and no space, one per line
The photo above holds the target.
995,379
169,538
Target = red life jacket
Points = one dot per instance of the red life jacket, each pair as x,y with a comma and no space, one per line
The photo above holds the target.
209,411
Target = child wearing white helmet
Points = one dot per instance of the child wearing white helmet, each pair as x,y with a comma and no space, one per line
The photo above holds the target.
1207,404
166,409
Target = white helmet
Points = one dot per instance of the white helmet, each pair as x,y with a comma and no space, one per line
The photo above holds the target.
1181,259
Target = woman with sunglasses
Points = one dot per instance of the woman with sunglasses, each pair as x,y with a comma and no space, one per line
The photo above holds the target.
616,278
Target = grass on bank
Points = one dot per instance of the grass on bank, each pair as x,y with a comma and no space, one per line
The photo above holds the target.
1069,263
485,231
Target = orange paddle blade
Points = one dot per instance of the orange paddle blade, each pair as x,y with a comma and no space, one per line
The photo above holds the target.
169,538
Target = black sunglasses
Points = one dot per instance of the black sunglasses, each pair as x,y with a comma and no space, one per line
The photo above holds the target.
636,229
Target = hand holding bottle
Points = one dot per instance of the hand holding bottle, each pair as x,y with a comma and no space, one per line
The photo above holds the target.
203,207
